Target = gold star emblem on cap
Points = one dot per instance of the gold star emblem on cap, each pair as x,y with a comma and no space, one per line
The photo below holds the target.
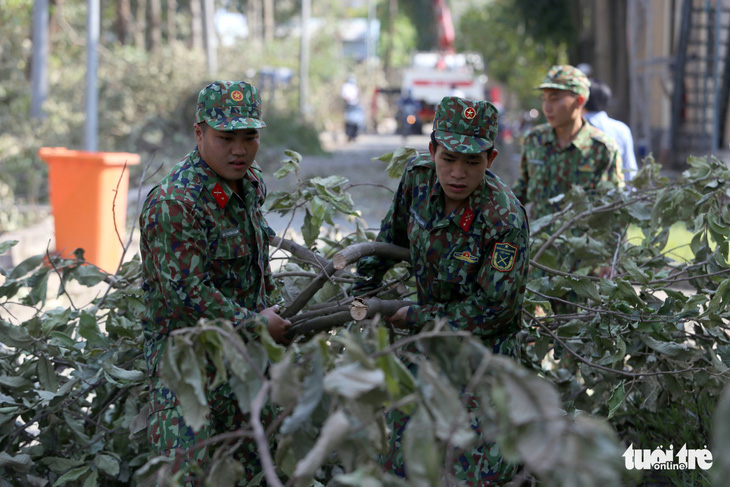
469,113
237,95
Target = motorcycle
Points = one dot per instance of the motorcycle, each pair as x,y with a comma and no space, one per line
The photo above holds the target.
354,120
408,121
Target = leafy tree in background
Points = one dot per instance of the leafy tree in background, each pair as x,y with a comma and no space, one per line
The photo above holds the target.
519,41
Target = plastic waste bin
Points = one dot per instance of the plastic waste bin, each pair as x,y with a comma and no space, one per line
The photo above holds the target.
88,192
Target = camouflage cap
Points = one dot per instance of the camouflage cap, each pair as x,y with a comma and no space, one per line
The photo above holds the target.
230,105
465,126
566,77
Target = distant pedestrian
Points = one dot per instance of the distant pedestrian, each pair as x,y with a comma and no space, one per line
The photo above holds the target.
595,112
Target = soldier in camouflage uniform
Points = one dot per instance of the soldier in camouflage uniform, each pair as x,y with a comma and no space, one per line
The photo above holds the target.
204,245
468,237
567,150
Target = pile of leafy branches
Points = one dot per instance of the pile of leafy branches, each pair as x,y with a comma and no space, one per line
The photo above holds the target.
604,361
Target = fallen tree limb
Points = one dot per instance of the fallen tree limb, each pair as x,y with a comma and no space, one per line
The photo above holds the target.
339,318
355,252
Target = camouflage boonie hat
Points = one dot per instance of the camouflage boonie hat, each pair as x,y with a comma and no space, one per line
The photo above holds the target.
465,126
230,105
566,77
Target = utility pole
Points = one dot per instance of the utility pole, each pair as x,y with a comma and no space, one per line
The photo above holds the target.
39,65
92,93
304,59
211,55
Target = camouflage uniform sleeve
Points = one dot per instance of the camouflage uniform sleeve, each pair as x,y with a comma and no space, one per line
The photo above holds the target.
393,230
493,309
181,259
615,172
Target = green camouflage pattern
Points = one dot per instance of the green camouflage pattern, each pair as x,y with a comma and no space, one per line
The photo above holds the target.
470,268
481,466
458,272
173,438
547,171
230,105
465,126
205,254
567,77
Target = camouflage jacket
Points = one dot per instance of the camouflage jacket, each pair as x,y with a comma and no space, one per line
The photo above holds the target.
470,266
547,171
205,251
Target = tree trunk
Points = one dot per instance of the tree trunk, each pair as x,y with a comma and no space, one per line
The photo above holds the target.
155,26
171,21
123,21
388,55
254,15
140,24
268,20
196,29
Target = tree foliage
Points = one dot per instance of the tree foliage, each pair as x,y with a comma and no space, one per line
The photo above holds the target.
519,41
604,361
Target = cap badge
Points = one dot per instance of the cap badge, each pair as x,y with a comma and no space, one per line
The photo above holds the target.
237,95
469,113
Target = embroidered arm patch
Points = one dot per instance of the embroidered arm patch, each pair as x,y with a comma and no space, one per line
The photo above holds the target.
504,256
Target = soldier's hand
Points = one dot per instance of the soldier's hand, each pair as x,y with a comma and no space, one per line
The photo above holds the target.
278,326
399,318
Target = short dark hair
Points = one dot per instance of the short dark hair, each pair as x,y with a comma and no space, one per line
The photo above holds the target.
436,144
600,95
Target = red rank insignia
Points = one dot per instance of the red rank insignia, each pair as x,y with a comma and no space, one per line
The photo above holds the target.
466,219
220,195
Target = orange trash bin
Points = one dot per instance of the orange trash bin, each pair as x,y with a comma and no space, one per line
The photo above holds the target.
82,187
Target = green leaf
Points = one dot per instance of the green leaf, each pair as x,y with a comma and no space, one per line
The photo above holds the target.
89,329
71,475
617,398
333,433
451,420
59,464
127,375
15,336
21,462
26,266
420,449
585,288
182,372
109,464
47,374
353,380
225,472
88,275
92,480
310,398
15,382
674,350
310,229
7,245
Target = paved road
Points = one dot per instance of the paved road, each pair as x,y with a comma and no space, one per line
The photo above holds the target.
372,189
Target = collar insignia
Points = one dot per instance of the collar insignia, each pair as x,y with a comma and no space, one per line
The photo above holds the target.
220,195
466,219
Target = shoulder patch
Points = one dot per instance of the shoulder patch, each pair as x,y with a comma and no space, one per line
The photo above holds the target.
504,256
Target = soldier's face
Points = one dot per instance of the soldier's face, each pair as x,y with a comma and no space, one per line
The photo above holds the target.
229,154
459,174
561,107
